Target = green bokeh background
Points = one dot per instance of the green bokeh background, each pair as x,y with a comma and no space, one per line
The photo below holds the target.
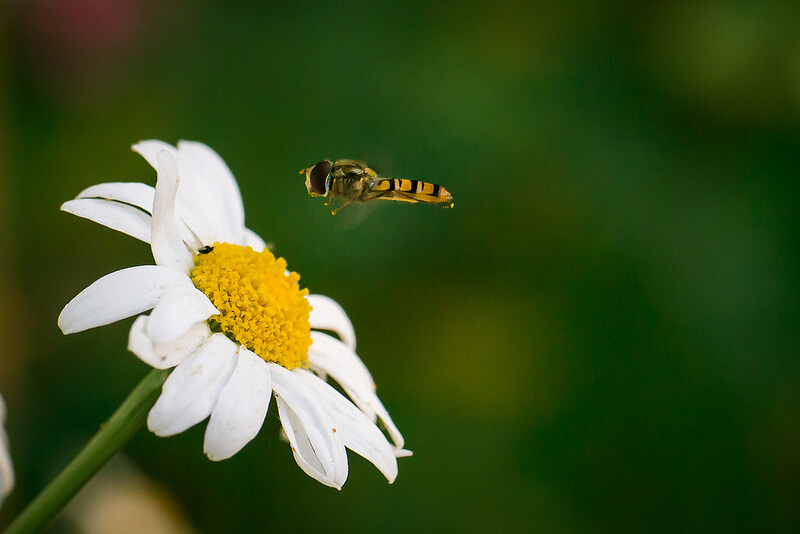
602,335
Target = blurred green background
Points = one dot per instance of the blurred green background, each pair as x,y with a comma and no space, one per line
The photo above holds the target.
602,335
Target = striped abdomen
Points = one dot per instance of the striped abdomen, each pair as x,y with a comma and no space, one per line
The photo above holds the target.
412,191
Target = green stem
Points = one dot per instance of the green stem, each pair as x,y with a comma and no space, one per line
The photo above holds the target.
128,418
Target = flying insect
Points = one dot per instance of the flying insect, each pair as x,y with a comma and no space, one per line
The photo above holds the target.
354,181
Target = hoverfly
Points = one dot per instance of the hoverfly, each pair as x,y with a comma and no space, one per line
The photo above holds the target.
354,181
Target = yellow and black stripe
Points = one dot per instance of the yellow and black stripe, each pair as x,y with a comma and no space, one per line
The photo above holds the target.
412,191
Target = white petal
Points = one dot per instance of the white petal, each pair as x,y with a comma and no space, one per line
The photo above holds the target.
253,240
191,391
344,366
195,203
133,193
402,453
176,312
165,355
316,448
168,247
139,195
376,405
119,295
356,431
241,407
326,314
6,468
330,352
220,185
150,148
114,215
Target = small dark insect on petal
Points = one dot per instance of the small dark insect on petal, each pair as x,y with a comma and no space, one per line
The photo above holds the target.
319,177
205,250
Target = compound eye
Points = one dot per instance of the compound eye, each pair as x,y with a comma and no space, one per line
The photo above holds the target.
319,177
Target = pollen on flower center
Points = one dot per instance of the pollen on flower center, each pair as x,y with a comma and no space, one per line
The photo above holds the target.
261,307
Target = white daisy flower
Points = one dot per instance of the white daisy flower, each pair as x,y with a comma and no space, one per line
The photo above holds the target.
232,321
6,469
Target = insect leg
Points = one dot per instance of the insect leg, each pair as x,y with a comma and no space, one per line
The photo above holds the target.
345,203
353,198
330,197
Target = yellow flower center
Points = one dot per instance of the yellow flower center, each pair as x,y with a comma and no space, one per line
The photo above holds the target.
261,307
